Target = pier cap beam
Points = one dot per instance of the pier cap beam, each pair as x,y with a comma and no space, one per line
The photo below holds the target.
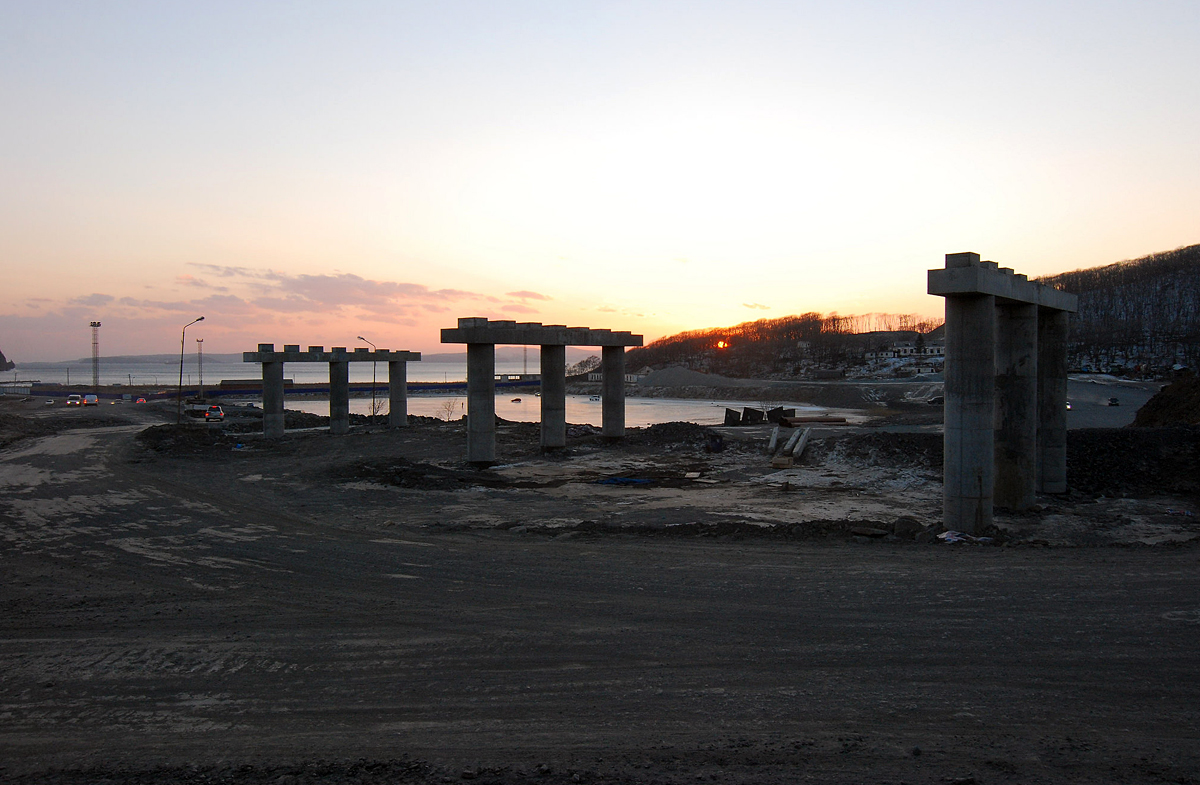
477,329
965,274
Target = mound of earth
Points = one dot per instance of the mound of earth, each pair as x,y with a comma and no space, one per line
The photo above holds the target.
186,438
1100,461
879,449
13,428
1176,404
667,433
1134,462
403,473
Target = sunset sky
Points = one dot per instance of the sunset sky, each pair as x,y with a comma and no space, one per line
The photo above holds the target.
303,172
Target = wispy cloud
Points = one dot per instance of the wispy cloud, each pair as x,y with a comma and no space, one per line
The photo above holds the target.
527,295
756,306
198,283
93,300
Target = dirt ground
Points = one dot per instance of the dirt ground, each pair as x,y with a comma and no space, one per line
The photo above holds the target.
202,606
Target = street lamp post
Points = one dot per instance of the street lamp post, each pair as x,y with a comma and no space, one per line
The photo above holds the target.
371,419
179,395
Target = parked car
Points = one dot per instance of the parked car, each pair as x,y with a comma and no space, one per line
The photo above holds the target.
140,400
214,414
74,400
1114,402
91,400
1068,406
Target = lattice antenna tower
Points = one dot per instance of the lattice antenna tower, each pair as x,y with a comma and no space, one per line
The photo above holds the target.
96,355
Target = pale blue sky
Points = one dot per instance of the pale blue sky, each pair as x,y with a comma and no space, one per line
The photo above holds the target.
308,172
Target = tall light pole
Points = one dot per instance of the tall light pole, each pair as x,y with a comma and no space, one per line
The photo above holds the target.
200,364
179,396
371,419
95,356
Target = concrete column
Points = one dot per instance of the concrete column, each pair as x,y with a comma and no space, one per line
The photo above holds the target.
397,393
339,396
612,364
969,412
1052,401
1016,405
554,397
481,403
272,373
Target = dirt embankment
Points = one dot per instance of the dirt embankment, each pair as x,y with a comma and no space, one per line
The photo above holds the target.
1176,404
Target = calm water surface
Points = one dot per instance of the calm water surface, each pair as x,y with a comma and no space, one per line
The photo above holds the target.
580,408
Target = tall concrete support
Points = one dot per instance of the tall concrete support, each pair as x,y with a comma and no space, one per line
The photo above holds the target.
272,375
1016,405
397,394
1006,378
339,394
1052,401
554,397
969,412
481,403
612,365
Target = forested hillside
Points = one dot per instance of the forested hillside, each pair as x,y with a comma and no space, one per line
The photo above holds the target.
782,347
1144,312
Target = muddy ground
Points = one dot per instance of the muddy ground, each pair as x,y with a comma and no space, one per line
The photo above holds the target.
193,605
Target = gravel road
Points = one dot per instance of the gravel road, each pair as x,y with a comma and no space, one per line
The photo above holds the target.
243,617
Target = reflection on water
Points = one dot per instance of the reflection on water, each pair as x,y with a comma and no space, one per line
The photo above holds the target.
580,408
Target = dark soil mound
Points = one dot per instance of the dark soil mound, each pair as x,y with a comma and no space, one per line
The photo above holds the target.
1176,404
1134,461
186,438
667,433
403,473
13,428
880,449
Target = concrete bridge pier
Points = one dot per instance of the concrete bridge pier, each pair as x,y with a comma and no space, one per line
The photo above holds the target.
612,365
339,392
1016,405
481,336
969,412
481,403
554,397
1052,401
1006,389
272,375
397,394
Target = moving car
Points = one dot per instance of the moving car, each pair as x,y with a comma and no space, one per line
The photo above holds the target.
91,400
214,414
141,400
74,400
1114,402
